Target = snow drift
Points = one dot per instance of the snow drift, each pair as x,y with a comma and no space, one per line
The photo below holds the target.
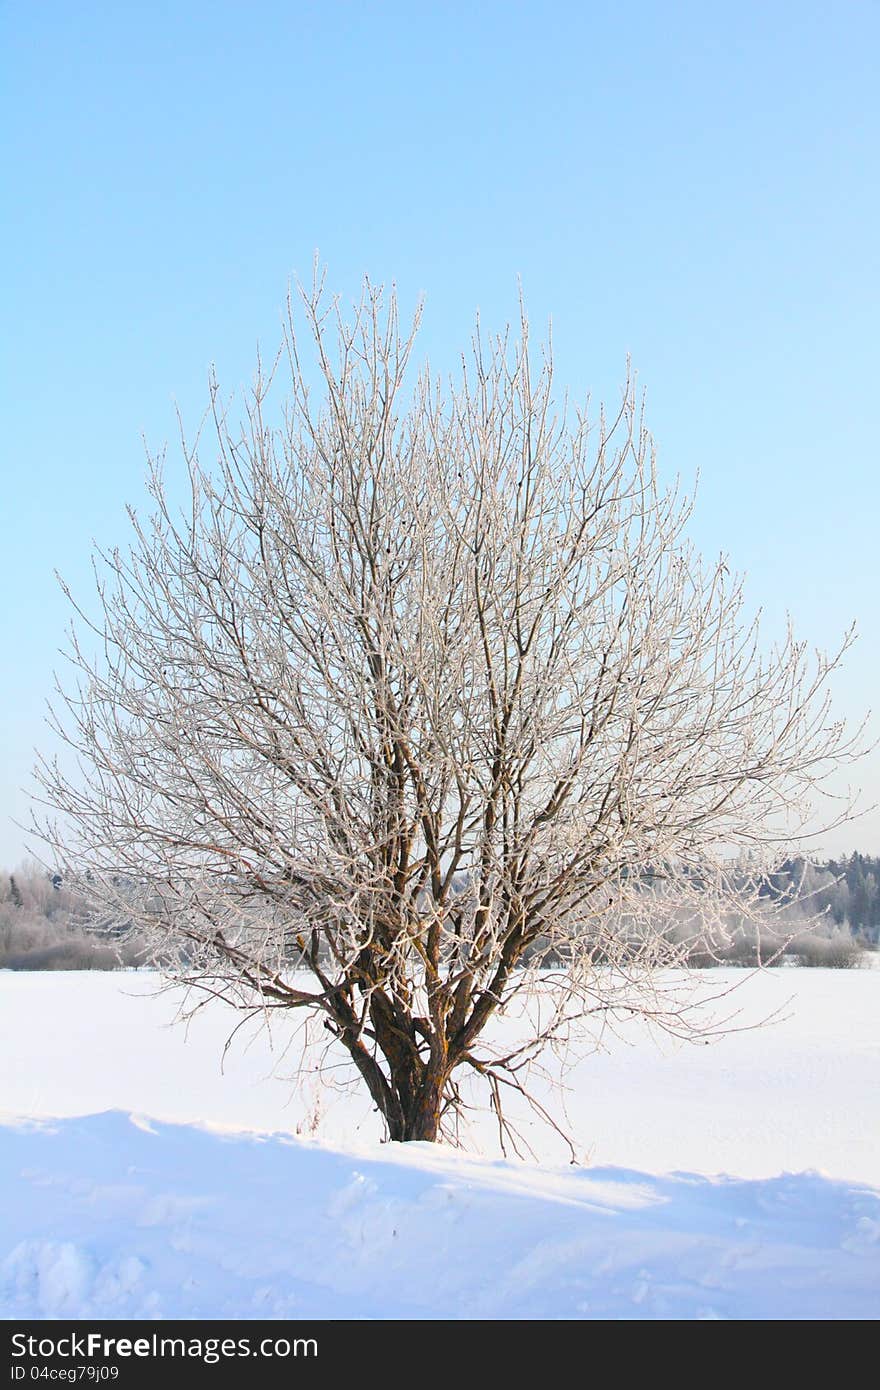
204,1213
116,1217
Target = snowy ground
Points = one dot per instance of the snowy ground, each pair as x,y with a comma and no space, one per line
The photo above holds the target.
158,1187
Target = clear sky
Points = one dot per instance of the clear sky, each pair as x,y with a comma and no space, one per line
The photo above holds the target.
693,184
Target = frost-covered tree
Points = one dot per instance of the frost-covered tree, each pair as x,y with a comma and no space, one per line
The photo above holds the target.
422,704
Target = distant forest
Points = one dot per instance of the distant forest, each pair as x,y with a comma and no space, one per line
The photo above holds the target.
44,925
848,890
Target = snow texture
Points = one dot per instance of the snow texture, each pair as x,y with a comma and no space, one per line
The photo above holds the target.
117,1215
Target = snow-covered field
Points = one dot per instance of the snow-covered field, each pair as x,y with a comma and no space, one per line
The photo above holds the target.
740,1179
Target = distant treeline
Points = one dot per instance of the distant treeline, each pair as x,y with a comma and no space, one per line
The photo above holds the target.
46,925
848,890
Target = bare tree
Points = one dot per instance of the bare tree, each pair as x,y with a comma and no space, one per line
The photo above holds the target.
424,702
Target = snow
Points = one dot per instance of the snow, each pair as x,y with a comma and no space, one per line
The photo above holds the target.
739,1180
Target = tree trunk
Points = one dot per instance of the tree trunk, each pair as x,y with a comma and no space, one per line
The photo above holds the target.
423,1121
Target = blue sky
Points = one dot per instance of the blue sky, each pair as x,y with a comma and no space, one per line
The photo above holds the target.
695,185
